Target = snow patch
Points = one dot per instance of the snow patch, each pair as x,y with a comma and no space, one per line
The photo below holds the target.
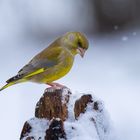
91,125
39,127
65,93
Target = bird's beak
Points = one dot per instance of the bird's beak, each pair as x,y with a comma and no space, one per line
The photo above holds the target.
81,51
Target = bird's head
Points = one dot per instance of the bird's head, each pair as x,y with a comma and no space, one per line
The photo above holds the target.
76,43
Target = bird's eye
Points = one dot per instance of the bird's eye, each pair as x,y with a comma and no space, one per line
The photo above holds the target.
79,44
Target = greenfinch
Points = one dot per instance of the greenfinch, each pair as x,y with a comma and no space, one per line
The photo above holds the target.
53,62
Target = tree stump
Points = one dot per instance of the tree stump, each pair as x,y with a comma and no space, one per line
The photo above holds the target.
53,119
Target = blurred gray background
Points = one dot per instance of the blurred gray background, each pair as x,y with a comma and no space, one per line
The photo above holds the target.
110,69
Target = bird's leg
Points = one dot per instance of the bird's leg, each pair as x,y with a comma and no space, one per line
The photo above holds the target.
54,86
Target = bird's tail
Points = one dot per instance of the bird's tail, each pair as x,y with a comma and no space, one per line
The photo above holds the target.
12,81
7,85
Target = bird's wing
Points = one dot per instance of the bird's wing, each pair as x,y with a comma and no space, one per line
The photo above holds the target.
40,63
44,60
36,67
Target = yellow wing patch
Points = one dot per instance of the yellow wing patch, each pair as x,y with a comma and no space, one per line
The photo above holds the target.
35,72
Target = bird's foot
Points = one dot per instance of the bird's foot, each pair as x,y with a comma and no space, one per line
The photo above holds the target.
54,86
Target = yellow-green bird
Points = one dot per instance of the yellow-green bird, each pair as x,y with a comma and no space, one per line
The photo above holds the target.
53,62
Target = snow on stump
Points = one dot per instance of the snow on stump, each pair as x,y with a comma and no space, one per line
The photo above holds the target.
59,115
